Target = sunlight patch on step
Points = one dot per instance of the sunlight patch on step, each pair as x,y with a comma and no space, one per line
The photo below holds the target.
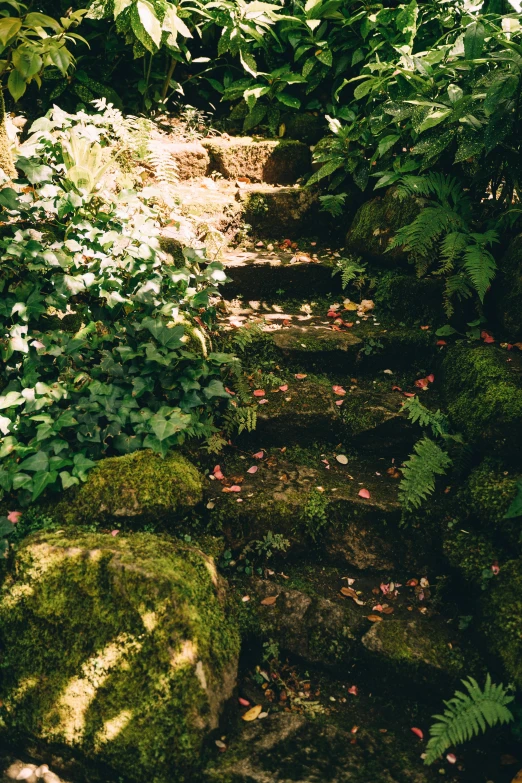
81,691
112,728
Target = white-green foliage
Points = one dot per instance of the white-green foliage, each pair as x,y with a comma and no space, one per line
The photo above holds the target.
440,238
467,715
419,472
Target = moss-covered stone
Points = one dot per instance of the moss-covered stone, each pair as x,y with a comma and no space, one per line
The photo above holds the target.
306,127
415,643
121,648
508,290
276,162
410,299
490,490
375,224
469,552
141,485
484,395
286,212
502,605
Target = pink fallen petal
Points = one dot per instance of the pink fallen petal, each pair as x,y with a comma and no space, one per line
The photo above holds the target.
217,473
331,314
363,493
377,608
421,383
451,757
114,532
441,342
284,388
353,690
385,588
259,393
418,732
494,567
430,377
408,394
300,376
339,390
253,469
487,337
339,402
14,516
263,402
230,391
234,488
244,702
259,454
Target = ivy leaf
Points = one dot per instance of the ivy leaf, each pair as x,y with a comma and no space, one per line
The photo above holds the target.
165,428
37,462
6,527
215,389
68,480
41,481
9,199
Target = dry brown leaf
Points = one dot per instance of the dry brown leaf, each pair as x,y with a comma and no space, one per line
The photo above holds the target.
387,610
269,600
374,618
253,713
350,593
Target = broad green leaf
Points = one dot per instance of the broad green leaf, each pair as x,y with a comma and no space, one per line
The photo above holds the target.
120,5
164,428
455,93
16,84
35,19
363,88
68,480
11,399
434,118
6,527
9,26
288,100
37,462
248,62
215,389
474,41
9,198
41,481
387,143
254,117
324,56
27,62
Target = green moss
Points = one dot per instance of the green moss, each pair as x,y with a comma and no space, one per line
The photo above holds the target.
410,299
284,212
122,648
141,485
305,127
277,161
470,553
376,223
484,396
503,612
491,490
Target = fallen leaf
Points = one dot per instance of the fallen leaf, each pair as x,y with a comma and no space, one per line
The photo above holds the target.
14,516
387,610
354,729
339,390
409,394
349,592
114,532
220,744
451,757
425,328
233,488
253,713
353,690
339,402
495,567
245,598
377,608
487,337
269,600
420,383
284,388
300,376
430,377
253,469
217,473
342,458
348,579
441,342
374,618
243,702
263,402
259,455
259,393
412,583
351,306
385,588
363,493
262,715
418,732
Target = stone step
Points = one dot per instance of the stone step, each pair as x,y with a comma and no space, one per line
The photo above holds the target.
260,273
272,161
311,502
270,211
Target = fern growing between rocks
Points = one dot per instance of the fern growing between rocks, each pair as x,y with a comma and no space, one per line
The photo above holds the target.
351,270
419,472
442,232
419,414
246,335
467,715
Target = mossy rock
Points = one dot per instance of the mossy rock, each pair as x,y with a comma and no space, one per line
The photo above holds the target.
306,127
276,162
490,490
469,552
410,299
502,606
507,291
281,212
375,224
122,649
141,485
417,644
484,395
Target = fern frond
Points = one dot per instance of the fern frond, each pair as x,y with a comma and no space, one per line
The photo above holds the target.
480,267
451,247
350,268
456,287
421,415
419,471
445,189
467,715
421,236
163,164
245,336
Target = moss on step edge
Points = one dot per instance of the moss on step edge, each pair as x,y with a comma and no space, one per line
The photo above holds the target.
123,649
141,484
410,299
502,606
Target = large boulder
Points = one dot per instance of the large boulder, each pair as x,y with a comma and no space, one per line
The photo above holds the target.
276,162
376,223
120,648
141,485
508,290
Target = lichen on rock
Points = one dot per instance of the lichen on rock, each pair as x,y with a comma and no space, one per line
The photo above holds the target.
121,648
140,485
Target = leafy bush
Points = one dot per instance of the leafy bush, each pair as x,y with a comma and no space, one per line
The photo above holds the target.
467,715
105,344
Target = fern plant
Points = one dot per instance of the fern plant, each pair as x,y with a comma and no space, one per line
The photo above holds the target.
419,471
419,414
467,715
352,269
333,203
440,238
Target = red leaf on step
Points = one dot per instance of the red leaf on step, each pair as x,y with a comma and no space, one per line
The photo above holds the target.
339,402
430,378
263,402
441,342
339,390
253,469
332,314
396,388
353,690
487,337
259,454
418,732
233,488
217,473
300,376
409,394
451,757
14,516
363,493
421,383
259,393
230,391
284,388
114,532
243,702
